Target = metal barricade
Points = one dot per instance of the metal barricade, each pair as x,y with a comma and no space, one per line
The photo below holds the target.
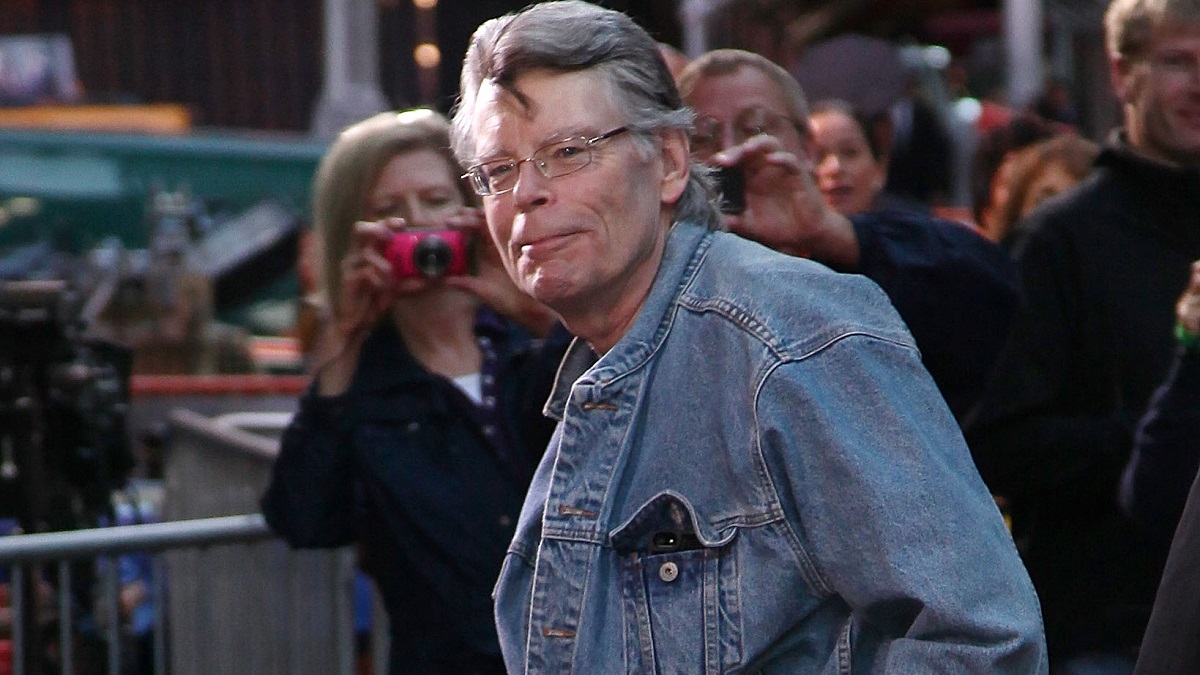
265,638
230,597
268,609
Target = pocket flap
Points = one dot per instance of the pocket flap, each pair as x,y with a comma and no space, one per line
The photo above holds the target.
666,513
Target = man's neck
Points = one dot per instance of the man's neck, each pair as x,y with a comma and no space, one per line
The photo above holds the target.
1138,145
603,318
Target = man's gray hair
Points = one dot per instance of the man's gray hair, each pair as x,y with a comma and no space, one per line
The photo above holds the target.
1129,24
571,36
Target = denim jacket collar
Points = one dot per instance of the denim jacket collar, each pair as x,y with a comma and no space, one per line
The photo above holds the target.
684,250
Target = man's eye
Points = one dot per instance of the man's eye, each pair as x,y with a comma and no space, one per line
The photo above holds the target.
495,171
568,151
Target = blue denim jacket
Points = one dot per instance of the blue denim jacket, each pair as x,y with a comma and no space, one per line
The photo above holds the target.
760,477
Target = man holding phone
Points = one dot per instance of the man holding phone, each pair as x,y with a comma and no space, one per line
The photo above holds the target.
752,116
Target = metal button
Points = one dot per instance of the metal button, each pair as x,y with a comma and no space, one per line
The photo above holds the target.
668,572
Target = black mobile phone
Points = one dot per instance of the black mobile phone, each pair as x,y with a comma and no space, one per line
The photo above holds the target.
731,184
673,542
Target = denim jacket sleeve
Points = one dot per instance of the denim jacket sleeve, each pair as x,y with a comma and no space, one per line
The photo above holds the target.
310,500
885,502
936,273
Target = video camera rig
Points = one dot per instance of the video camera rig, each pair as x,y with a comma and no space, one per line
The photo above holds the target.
63,406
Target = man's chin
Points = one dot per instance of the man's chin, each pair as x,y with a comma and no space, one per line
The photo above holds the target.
548,289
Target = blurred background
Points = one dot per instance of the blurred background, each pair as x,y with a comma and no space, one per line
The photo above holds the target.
135,133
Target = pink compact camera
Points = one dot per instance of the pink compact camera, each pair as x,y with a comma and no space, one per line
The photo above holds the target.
430,253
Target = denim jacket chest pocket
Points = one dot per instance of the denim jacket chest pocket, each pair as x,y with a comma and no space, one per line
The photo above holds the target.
679,586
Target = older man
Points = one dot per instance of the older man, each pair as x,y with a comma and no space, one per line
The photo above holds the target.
752,114
752,471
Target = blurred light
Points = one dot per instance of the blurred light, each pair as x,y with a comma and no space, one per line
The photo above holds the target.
937,56
24,206
427,55
968,109
425,4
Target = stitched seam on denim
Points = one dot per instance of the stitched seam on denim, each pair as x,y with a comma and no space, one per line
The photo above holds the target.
523,551
637,355
586,536
808,566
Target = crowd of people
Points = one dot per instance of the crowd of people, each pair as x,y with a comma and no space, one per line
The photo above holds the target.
643,431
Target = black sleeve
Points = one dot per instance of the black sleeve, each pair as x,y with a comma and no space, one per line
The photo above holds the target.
311,500
1166,454
956,290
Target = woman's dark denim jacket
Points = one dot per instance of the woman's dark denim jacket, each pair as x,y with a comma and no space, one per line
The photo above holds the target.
427,483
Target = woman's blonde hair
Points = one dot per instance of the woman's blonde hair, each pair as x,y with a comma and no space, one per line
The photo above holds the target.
348,172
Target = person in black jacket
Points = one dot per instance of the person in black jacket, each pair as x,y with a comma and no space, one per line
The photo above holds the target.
954,289
1166,457
423,425
1101,267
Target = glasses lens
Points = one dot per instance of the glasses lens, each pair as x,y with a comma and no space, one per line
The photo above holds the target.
563,157
497,176
755,121
478,184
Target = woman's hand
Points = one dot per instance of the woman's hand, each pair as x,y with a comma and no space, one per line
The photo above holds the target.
367,288
367,292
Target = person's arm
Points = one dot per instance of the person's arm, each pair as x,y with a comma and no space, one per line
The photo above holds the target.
311,500
956,290
893,514
1166,455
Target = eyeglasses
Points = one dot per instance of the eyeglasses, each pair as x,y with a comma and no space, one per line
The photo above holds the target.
556,159
709,132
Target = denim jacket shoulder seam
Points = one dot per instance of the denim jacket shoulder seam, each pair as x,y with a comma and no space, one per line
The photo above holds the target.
808,565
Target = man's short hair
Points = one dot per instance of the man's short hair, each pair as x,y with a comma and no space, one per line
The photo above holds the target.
570,36
1129,24
728,61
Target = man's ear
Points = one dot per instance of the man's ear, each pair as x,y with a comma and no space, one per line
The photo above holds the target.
676,165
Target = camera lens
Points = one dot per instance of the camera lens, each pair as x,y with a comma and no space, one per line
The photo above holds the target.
432,256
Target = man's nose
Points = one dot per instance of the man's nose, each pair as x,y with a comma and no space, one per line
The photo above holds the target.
829,163
729,137
530,190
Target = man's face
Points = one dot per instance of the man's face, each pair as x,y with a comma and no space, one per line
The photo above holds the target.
590,238
738,103
1161,94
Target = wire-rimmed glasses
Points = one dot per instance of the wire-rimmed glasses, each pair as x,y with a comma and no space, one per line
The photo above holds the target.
708,136
497,176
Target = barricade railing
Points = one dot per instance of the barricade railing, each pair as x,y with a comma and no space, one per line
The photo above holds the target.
26,554
248,605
